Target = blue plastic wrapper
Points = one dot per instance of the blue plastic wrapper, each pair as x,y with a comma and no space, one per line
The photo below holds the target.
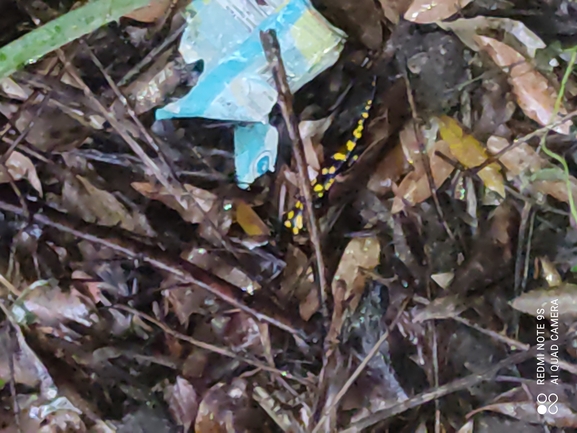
236,84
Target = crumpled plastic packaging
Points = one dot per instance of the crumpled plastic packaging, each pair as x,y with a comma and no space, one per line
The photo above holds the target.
236,84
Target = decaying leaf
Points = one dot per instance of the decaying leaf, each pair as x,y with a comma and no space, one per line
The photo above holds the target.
83,199
550,274
360,254
523,161
312,132
184,300
249,220
471,153
441,308
468,427
349,281
395,9
389,171
19,166
467,28
151,88
550,303
228,408
411,139
28,369
193,214
212,263
415,188
281,416
50,306
521,403
534,94
430,11
182,402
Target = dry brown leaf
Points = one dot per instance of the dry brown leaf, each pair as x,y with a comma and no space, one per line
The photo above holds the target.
431,11
212,263
249,220
94,205
441,308
184,300
550,274
312,132
523,161
51,306
468,427
151,88
310,304
414,188
194,214
534,94
558,302
349,281
149,14
389,171
360,253
228,408
467,28
182,402
394,9
28,369
501,228
21,167
410,142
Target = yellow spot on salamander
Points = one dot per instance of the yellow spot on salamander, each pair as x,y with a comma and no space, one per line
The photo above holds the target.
288,224
299,205
351,145
291,215
318,188
324,170
332,170
299,221
339,156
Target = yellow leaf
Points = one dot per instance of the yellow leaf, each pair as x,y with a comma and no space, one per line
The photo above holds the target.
249,220
470,153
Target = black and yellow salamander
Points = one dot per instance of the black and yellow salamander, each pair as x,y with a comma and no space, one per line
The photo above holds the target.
345,155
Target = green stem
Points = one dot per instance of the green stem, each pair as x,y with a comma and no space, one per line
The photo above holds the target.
34,45
543,143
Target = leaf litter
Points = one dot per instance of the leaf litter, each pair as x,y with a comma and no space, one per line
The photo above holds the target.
142,290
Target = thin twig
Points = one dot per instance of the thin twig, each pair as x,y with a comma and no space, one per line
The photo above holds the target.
450,388
164,176
519,262
143,131
211,347
120,241
514,344
361,367
151,56
10,350
495,157
285,99
426,161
